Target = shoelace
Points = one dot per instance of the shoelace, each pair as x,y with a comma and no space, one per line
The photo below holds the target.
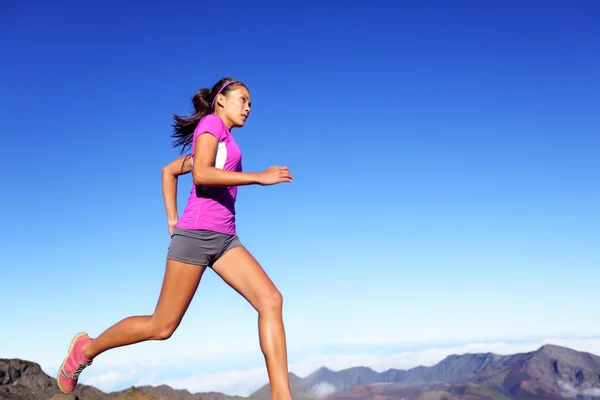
79,369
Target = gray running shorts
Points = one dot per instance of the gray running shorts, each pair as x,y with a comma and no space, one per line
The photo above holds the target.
200,247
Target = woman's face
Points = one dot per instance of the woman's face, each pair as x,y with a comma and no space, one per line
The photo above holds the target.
236,106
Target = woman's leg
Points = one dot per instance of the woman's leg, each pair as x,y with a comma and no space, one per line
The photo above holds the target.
179,285
238,268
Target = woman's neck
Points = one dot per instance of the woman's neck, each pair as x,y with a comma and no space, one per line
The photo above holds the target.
225,120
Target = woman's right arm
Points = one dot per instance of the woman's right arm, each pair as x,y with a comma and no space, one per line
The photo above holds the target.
205,174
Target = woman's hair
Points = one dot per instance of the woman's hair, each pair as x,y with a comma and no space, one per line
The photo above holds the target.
183,127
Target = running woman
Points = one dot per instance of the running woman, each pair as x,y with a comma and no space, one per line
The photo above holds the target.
204,237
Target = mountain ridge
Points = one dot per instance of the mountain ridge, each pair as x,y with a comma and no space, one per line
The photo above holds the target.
550,372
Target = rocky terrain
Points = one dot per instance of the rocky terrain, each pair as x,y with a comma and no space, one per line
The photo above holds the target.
25,380
549,373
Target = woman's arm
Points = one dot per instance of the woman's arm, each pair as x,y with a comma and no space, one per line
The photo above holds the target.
205,174
170,173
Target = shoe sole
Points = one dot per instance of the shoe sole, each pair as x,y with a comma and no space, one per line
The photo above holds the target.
80,334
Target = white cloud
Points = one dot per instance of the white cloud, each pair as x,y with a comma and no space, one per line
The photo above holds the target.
244,381
102,379
237,382
148,380
570,391
109,379
323,389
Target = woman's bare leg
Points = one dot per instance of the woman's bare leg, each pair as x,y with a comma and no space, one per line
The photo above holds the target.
238,268
179,285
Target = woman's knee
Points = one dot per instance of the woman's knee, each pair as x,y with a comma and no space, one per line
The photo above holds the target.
161,330
271,301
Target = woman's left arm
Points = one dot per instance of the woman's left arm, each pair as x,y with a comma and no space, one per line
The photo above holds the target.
170,173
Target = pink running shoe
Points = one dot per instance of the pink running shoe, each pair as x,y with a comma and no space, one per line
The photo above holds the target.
74,364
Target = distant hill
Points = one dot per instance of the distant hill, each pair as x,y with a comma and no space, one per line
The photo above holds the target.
549,373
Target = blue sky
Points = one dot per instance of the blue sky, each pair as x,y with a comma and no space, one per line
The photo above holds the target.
445,163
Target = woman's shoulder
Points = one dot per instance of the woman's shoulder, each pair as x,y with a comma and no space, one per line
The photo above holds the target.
212,119
212,123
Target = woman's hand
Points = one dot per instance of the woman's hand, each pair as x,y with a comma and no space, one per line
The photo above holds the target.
172,223
170,174
274,175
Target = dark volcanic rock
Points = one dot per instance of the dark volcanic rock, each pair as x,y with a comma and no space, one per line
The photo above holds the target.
25,380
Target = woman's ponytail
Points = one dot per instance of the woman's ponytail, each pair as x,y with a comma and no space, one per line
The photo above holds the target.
183,128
